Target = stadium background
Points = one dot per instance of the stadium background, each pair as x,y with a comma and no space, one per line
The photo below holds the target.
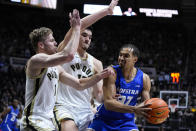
167,46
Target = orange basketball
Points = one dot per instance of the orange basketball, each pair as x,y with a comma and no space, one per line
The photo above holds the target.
159,112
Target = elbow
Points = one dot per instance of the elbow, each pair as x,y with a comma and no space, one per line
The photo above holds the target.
107,105
79,88
67,55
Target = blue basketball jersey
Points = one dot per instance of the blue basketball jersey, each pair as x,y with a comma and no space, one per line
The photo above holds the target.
129,92
9,121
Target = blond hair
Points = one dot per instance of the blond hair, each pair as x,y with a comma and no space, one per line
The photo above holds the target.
39,35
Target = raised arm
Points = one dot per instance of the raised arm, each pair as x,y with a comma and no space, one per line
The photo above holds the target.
91,19
83,83
88,21
42,60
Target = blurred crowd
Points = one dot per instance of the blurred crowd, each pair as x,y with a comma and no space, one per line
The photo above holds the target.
164,46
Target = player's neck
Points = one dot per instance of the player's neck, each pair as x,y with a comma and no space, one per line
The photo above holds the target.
129,73
41,51
82,53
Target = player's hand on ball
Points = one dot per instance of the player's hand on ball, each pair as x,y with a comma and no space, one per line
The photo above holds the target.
142,109
160,111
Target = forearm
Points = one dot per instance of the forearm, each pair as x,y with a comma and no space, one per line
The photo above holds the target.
116,106
98,91
99,97
85,22
67,37
71,46
89,82
91,19
145,95
42,60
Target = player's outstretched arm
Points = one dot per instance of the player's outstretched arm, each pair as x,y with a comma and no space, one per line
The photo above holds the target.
88,21
81,84
91,19
42,60
109,91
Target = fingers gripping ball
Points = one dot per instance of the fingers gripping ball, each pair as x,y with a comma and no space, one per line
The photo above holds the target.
159,112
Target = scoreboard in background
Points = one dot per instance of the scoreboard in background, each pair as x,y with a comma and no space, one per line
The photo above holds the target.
138,8
50,4
149,12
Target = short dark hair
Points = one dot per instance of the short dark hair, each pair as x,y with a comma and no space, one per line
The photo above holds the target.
39,34
14,98
89,28
136,51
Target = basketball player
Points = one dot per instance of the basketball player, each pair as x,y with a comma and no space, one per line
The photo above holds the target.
43,74
73,107
129,82
10,115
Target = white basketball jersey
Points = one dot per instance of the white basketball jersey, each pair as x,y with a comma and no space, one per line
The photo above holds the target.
41,92
68,95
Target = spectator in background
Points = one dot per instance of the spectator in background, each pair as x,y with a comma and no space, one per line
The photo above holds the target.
129,12
10,115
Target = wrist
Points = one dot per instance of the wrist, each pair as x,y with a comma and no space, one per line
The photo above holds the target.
76,28
132,109
109,11
99,76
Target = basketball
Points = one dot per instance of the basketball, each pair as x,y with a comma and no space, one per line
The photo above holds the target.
159,112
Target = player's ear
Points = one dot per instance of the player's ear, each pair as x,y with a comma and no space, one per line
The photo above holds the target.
135,59
40,45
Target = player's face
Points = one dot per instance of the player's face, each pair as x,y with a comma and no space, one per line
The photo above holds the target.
126,58
85,39
15,103
50,45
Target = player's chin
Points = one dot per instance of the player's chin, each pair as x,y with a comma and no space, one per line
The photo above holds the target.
85,48
121,64
54,50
